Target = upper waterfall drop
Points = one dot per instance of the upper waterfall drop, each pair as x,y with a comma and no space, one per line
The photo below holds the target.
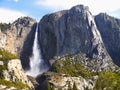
36,60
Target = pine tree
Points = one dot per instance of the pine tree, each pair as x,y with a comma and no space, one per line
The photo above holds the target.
52,88
48,86
74,87
69,86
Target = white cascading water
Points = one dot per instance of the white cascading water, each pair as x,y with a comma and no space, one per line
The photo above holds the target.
35,59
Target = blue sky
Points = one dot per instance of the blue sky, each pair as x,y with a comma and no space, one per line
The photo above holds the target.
10,10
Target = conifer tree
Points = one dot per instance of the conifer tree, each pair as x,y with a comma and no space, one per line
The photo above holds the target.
74,87
69,86
48,86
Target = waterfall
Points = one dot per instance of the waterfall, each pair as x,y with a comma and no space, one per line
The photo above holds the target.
36,60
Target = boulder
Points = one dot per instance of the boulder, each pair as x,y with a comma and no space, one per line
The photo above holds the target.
13,72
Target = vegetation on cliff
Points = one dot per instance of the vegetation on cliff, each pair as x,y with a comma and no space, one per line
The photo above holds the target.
18,85
6,55
69,66
2,67
4,26
108,80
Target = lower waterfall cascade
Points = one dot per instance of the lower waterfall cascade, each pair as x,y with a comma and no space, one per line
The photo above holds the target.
36,59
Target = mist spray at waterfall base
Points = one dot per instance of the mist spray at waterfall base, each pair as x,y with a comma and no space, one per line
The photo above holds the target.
37,64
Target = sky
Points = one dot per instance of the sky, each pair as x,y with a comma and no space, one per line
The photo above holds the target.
10,10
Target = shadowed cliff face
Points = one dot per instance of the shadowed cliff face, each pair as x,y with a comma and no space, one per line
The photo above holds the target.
109,28
27,49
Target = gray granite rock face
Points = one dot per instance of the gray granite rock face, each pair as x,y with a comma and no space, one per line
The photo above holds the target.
109,28
70,32
27,48
13,38
14,73
65,32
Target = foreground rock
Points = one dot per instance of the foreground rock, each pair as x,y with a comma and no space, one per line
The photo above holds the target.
70,71
14,76
63,82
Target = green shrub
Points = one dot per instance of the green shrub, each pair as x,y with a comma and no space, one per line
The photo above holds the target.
4,26
48,87
108,80
6,55
18,85
2,67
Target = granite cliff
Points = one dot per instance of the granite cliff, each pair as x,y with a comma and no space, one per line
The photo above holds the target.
109,28
13,37
80,35
70,32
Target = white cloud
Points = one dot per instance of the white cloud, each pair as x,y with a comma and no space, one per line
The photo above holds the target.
7,15
16,0
96,6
